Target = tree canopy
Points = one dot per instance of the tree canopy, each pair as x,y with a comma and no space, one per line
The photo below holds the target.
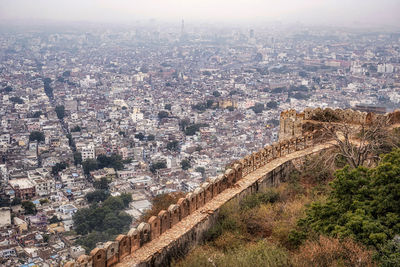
364,204
77,128
29,207
36,136
47,87
16,99
58,167
140,136
60,110
173,146
102,184
258,108
216,94
163,114
185,164
97,196
100,223
158,165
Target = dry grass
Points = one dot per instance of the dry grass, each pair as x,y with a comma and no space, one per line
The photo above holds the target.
327,252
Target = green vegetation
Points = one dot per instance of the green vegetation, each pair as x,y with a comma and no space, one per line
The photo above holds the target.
151,137
97,196
272,105
216,94
167,107
16,99
102,184
163,114
36,114
114,161
278,90
36,136
60,110
322,216
185,164
202,106
77,158
201,170
140,136
194,128
258,108
66,73
89,165
58,167
29,207
100,223
157,165
54,219
364,204
77,128
16,201
274,122
260,254
7,89
71,142
173,146
43,201
47,87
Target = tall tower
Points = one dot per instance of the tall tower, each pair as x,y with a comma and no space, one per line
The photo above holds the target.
182,28
251,33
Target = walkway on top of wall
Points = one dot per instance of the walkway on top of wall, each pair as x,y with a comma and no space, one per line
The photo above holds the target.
155,246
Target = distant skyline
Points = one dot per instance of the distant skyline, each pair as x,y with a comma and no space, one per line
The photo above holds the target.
368,13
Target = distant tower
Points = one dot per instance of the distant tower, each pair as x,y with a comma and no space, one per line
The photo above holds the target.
182,28
251,33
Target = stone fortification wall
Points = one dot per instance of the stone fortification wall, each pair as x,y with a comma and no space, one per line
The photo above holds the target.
294,139
115,251
293,124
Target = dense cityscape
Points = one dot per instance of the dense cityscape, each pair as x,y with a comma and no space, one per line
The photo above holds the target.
91,112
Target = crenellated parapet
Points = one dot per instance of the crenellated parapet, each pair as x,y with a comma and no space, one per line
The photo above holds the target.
297,138
293,124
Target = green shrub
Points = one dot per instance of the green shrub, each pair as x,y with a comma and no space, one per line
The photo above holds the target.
257,199
260,254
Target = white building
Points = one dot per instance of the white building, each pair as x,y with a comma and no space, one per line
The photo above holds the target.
88,152
385,68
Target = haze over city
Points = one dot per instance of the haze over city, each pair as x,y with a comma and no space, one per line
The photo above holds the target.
128,130
354,13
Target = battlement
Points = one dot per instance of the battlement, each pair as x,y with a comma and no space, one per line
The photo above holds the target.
249,174
293,124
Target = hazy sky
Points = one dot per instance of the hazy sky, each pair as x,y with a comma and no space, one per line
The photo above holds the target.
339,12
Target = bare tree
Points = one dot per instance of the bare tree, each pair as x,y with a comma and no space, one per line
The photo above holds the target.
357,143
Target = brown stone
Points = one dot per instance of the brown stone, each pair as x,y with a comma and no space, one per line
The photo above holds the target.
124,246
111,248
155,228
208,191
183,207
191,198
98,257
165,222
134,236
238,170
174,214
230,177
145,232
84,261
